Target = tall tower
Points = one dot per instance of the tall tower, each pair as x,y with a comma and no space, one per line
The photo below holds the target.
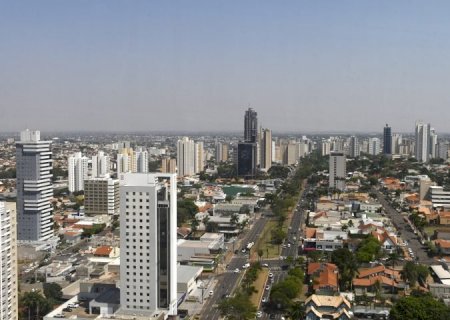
354,147
199,157
422,133
338,170
251,126
148,243
34,187
387,140
77,171
185,157
8,264
266,149
100,165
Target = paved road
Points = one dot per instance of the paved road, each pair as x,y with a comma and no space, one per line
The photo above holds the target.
228,280
403,226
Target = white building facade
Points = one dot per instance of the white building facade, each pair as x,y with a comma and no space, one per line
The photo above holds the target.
77,171
148,244
34,164
185,157
8,264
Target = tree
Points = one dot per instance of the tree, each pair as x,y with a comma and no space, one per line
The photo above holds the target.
234,219
394,258
423,307
238,307
36,305
260,253
194,225
368,250
412,272
212,227
53,291
296,310
278,235
347,264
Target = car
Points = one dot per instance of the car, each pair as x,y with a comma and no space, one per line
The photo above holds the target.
264,300
73,305
267,287
236,270
243,251
59,315
265,265
270,275
289,245
67,309
259,314
245,266
211,293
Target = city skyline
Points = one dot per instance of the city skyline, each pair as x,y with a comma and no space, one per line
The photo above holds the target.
306,67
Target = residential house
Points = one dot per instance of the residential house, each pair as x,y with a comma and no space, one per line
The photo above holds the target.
323,278
327,307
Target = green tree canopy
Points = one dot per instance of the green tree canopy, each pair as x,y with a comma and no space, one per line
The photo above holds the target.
423,307
238,307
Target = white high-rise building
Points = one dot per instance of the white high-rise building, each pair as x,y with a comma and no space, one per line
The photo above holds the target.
77,171
140,161
199,157
396,143
325,147
100,165
374,146
8,264
148,244
422,141
123,163
185,157
433,146
34,187
338,170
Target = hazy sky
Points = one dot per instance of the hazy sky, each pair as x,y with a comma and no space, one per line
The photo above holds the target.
197,65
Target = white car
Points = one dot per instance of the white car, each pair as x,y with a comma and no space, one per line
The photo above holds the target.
264,300
236,270
211,293
270,275
289,245
259,314
267,287
245,266
265,265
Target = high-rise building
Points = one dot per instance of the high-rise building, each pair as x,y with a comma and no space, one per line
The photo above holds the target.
266,149
422,134
374,146
338,170
185,157
100,165
77,171
101,196
443,148
221,152
34,187
325,147
199,157
168,165
433,144
396,143
251,126
387,140
353,147
246,159
139,161
148,244
8,264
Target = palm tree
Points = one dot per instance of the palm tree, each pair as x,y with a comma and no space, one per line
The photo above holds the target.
296,311
394,258
234,219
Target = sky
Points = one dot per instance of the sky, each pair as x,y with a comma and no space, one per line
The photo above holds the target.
304,66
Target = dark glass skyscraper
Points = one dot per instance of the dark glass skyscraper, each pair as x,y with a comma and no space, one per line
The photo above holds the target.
387,140
251,126
247,151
